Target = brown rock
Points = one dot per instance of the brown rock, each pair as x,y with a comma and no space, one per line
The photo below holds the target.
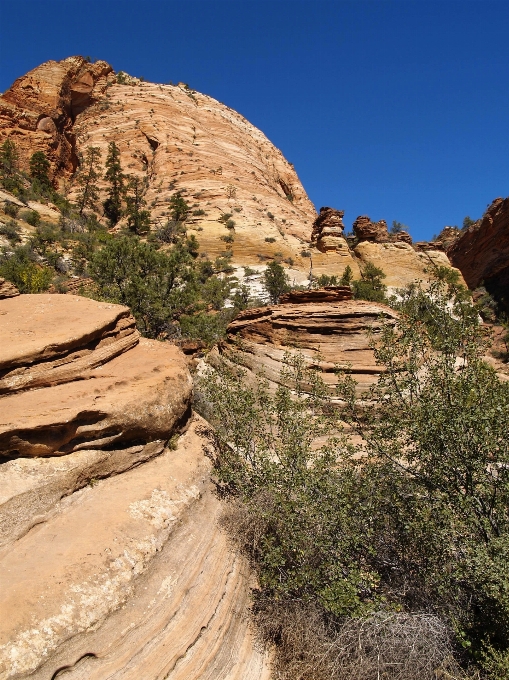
38,111
7,290
138,396
326,294
481,252
366,230
130,577
328,229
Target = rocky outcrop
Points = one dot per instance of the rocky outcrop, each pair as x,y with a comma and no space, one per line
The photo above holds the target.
326,334
366,230
38,111
7,290
111,558
177,140
328,230
481,252
326,294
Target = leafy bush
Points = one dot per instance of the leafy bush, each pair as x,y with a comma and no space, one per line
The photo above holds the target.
21,269
275,281
270,239
413,519
197,213
11,231
11,209
32,217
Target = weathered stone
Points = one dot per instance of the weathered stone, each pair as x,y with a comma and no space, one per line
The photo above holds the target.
325,334
326,294
46,339
130,577
7,290
138,396
366,230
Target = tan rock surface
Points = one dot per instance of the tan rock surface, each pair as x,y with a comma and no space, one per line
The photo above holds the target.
129,578
137,396
325,334
401,263
49,339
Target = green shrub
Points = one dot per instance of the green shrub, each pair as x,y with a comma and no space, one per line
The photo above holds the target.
270,239
411,516
32,217
276,281
197,213
11,231
370,286
21,269
11,209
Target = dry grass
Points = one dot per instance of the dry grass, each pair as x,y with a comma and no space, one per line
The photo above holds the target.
389,646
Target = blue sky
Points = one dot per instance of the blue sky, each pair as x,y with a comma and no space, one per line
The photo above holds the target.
398,109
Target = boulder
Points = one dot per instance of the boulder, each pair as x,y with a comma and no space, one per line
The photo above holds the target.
50,339
7,290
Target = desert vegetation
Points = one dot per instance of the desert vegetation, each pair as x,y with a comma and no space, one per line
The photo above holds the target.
382,554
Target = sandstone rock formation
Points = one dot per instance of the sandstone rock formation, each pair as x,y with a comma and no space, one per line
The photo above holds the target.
38,111
326,294
481,252
7,289
401,263
325,333
366,230
175,138
111,560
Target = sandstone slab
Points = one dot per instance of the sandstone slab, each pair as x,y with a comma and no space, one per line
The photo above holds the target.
325,334
129,578
51,339
136,397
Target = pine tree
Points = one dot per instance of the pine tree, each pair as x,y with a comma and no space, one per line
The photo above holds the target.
87,177
179,208
9,168
346,277
113,204
39,169
138,219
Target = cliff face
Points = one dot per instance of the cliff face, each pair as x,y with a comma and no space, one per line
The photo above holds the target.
38,111
481,252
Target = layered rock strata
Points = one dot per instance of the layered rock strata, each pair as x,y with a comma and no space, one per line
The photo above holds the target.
177,140
326,334
111,561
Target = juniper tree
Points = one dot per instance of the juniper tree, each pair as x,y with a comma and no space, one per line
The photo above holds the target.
9,167
39,171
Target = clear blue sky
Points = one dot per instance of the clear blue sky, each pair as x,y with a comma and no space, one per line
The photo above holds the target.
398,109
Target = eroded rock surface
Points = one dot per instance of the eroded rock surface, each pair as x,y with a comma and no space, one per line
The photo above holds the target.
7,289
111,561
326,334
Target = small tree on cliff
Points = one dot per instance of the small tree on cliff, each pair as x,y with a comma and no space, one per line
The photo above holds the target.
276,281
39,171
371,286
178,207
138,219
87,177
115,178
9,167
